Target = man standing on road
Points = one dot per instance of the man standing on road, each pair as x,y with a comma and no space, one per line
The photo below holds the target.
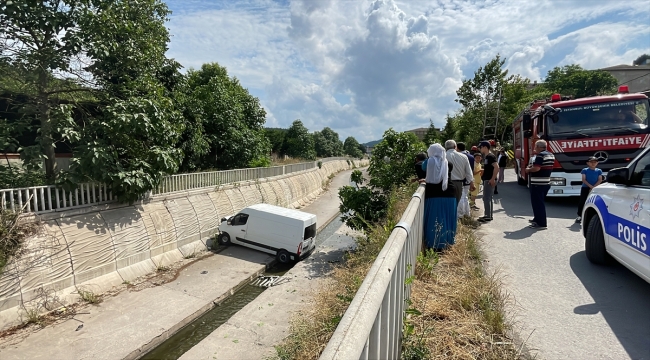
461,171
540,183
490,172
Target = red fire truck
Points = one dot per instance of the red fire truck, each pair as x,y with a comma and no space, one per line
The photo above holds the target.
614,129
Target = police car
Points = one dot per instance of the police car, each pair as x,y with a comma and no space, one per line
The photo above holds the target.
616,218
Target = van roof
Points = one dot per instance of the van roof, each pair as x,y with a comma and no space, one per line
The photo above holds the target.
279,210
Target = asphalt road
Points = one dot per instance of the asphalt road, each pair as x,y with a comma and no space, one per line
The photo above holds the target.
563,306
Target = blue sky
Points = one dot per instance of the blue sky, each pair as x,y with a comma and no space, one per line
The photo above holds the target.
362,66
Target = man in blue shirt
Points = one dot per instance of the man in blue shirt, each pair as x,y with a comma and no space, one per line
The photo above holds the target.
540,183
591,177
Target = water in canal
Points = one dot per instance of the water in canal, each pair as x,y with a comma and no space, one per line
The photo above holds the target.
174,347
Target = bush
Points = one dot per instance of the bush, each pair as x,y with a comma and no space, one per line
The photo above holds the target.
15,177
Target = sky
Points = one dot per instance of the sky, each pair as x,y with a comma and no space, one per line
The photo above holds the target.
363,66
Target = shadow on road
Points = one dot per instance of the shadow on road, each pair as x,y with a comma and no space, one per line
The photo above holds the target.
515,201
622,298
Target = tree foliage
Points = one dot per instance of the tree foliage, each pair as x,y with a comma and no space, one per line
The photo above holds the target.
327,143
432,135
298,142
361,206
113,54
351,147
574,80
276,139
224,123
391,163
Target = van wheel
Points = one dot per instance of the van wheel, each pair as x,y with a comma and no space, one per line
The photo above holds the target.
283,256
595,243
224,239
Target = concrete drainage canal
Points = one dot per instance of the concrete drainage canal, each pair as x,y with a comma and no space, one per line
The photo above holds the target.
190,335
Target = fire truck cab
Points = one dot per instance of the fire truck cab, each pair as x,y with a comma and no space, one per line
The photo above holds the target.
614,129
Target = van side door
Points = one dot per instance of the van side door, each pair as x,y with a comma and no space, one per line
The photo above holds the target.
630,239
239,226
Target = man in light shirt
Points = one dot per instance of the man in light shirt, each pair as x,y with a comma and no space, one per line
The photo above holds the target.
461,171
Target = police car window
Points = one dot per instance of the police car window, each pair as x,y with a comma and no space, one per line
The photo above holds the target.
641,174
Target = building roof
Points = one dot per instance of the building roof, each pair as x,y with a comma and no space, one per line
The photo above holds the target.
627,67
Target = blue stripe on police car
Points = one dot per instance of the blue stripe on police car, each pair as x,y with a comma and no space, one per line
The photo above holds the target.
632,234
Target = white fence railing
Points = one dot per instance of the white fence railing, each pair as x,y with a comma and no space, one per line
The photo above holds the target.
42,199
372,326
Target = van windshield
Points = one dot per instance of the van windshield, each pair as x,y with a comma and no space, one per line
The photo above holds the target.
310,232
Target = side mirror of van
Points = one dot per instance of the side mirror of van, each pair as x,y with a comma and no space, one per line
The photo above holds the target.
222,219
528,134
619,176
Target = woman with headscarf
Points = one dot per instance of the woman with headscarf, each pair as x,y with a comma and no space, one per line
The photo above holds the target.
440,220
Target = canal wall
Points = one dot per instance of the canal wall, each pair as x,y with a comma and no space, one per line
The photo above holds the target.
97,248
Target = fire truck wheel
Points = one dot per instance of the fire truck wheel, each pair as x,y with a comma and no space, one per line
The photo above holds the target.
595,243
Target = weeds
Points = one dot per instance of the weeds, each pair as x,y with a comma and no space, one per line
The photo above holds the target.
162,268
89,296
33,316
462,308
12,234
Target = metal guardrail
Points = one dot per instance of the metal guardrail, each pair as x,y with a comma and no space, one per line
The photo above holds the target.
371,328
43,199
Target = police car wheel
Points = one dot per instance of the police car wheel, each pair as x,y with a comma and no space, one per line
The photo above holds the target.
224,239
595,243
283,257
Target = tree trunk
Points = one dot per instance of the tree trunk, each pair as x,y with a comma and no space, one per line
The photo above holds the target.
46,141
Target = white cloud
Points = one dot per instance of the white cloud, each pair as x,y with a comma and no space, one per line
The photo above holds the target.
361,67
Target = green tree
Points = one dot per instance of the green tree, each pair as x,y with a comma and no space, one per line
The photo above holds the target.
30,43
224,122
574,80
432,135
392,159
113,54
363,149
276,138
129,143
327,143
298,142
351,147
449,131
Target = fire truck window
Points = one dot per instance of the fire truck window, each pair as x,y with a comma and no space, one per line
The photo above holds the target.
540,125
641,174
641,111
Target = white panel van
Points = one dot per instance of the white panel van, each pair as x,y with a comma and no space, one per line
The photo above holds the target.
288,234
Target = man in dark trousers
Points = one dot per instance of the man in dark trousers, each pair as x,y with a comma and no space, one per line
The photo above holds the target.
540,183
490,172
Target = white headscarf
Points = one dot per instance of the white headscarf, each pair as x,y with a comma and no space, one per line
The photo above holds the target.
437,166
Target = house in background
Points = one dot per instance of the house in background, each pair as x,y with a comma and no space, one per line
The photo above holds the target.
636,77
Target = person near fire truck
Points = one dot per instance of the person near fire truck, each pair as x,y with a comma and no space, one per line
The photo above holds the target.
490,172
540,183
591,177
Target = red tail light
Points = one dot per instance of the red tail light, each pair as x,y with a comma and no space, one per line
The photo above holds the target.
299,249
